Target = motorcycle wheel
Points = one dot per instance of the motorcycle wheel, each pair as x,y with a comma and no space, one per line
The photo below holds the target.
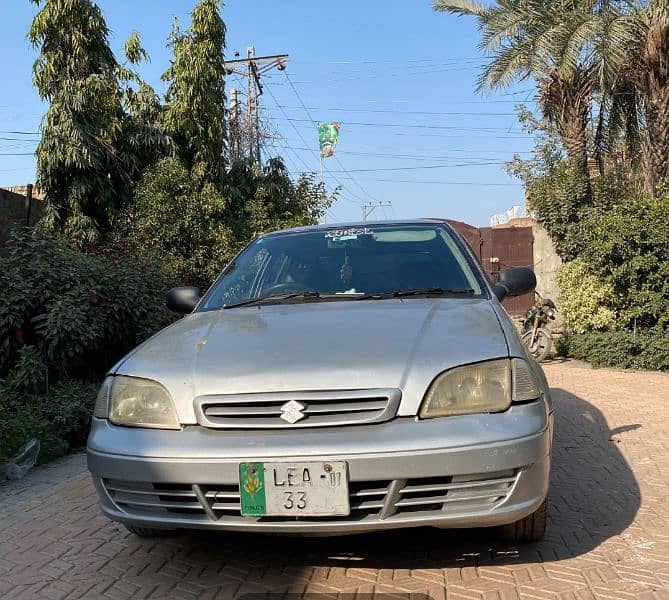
543,342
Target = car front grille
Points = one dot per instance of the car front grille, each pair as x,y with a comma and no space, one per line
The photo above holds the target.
297,409
369,500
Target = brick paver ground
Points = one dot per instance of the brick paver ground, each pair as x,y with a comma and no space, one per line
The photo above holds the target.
608,535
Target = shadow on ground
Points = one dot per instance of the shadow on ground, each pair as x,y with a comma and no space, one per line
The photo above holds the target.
594,495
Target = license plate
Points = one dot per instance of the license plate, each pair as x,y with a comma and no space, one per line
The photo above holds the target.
307,489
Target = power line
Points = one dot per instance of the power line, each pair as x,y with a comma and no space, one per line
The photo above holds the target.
420,157
299,98
410,125
21,132
476,164
410,112
471,183
341,185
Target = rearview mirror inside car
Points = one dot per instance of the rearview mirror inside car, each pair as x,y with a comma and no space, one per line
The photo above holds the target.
515,281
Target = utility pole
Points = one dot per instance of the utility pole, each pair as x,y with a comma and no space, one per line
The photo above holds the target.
369,207
236,150
253,68
29,202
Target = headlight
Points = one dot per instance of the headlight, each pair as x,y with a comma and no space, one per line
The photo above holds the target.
480,388
138,402
101,409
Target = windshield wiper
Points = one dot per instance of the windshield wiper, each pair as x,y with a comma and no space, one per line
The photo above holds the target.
434,291
312,295
352,296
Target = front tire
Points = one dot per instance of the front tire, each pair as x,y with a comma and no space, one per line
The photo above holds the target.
543,342
528,530
148,532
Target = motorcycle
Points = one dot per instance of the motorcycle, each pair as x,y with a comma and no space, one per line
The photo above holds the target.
537,336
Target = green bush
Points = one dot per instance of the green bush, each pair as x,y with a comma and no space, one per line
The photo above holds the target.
92,309
621,349
584,299
628,247
59,420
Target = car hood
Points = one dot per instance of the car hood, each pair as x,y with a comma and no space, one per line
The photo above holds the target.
343,345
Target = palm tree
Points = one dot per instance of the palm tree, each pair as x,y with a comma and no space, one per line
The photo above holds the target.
635,46
625,45
537,39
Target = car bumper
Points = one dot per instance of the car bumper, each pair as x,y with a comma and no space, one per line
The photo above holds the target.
470,471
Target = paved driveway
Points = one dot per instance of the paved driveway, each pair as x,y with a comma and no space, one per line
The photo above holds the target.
608,534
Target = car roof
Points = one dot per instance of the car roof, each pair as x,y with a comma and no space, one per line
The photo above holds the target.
355,224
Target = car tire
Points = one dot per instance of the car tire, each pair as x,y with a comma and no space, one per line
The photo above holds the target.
527,530
148,532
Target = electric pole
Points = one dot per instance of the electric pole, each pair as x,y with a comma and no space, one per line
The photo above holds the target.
236,150
369,207
252,68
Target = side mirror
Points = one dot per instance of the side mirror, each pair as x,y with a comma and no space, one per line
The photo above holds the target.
182,300
515,281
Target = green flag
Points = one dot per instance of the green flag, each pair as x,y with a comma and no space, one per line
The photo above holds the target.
328,135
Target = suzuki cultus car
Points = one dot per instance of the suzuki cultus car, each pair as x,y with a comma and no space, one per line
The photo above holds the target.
334,379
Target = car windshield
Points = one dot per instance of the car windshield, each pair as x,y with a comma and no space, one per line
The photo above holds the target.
346,264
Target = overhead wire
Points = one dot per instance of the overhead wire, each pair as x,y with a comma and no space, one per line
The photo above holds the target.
299,98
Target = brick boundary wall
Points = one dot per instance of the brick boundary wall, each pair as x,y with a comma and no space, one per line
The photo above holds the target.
14,210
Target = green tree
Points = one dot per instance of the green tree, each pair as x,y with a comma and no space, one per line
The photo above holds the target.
195,111
102,125
554,189
76,72
630,47
529,39
196,229
143,140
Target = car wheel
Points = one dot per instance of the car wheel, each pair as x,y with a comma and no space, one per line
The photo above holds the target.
527,530
148,532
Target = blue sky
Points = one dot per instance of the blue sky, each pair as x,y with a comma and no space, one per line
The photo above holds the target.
399,77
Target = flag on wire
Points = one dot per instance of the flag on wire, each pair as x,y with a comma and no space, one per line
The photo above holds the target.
328,135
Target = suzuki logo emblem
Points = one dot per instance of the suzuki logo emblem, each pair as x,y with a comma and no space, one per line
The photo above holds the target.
293,411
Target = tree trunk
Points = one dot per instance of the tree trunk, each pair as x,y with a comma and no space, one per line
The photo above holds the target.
653,83
656,136
565,101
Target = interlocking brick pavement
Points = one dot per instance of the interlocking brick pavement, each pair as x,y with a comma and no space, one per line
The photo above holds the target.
608,533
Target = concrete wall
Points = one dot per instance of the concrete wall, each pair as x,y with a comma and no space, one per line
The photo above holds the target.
546,262
13,212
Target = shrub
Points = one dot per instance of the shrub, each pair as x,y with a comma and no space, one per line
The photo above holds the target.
622,349
59,420
584,299
66,317
91,308
628,248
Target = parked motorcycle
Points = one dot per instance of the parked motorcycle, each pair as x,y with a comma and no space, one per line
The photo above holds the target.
537,336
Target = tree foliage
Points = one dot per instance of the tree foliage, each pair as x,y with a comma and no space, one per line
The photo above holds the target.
92,149
197,228
76,73
528,38
195,111
605,57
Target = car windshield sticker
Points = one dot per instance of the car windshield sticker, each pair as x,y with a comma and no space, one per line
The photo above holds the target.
350,233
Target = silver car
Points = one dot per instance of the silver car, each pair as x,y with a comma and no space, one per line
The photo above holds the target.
334,379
